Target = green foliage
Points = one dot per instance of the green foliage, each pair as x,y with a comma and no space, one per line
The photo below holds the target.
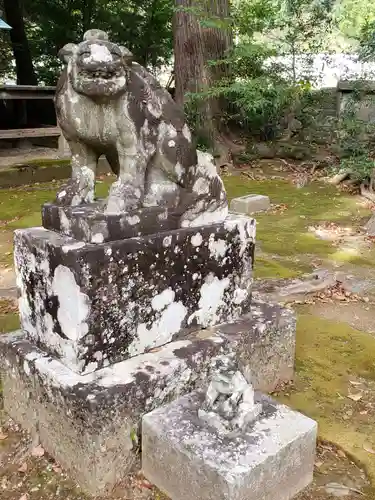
352,17
367,41
263,91
356,142
144,26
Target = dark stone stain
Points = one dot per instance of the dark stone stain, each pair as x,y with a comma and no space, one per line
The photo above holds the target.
51,305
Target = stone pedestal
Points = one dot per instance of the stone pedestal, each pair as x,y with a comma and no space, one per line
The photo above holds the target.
89,423
91,305
185,458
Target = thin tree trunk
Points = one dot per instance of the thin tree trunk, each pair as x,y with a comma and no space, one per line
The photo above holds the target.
24,65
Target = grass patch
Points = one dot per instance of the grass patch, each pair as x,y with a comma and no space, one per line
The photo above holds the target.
328,355
286,232
21,207
267,268
9,319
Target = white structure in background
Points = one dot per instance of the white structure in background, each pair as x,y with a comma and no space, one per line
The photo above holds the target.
325,70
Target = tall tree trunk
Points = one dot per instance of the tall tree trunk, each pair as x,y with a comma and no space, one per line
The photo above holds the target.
24,65
195,45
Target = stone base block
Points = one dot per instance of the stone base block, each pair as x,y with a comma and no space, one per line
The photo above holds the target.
89,423
185,458
91,224
91,305
250,204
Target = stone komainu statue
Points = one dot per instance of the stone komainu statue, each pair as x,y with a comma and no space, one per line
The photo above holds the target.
109,105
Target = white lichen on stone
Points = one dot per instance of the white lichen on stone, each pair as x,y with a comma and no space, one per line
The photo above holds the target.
74,308
211,300
196,240
218,248
134,219
97,238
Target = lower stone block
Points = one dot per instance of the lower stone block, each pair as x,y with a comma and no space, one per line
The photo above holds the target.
88,422
185,458
250,204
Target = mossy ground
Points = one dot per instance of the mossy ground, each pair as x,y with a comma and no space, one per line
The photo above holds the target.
333,360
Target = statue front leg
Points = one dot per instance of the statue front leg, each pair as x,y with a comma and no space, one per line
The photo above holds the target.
127,193
81,186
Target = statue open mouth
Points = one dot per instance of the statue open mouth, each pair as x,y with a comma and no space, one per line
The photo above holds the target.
104,74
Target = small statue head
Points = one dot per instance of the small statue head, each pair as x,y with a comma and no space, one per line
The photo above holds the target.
97,67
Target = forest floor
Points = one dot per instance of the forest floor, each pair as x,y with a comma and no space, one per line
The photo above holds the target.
313,255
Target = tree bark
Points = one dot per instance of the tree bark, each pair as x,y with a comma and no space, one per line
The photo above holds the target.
24,65
194,47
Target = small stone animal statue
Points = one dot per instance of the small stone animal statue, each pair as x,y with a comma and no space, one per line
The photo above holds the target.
229,404
109,105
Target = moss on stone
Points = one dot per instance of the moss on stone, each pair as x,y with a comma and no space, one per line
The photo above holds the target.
48,162
329,354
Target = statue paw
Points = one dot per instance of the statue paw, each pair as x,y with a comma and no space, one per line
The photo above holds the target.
123,198
71,194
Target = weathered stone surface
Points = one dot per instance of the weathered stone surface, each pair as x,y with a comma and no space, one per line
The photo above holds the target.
91,224
108,105
250,204
185,458
266,341
370,226
229,405
88,423
94,304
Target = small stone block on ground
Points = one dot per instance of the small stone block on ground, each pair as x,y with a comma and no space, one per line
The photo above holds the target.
250,204
186,459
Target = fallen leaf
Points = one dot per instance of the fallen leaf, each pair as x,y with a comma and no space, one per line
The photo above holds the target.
25,497
341,454
145,484
22,467
367,447
355,397
318,464
38,451
3,436
355,382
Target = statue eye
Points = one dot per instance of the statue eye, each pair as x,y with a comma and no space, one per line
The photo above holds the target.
85,53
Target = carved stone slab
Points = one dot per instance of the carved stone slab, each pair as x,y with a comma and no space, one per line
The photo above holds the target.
91,305
91,224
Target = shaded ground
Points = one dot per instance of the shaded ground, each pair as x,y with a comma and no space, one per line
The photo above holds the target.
312,229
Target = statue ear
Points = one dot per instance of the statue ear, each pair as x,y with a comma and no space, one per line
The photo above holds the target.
67,52
127,56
